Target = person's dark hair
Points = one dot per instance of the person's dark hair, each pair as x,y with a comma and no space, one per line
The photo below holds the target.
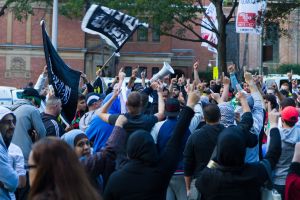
290,124
81,97
284,93
59,172
212,113
287,102
166,89
134,100
272,99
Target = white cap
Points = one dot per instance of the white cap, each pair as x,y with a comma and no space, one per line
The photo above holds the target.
4,111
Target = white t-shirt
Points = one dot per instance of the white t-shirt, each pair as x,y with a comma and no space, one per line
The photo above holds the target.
16,160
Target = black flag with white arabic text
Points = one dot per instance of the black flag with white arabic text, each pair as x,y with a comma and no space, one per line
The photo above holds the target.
64,80
113,26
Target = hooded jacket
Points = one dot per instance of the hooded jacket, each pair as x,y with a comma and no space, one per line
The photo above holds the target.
28,118
8,177
232,179
289,137
147,174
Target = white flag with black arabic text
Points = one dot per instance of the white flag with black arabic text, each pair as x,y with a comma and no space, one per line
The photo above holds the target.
113,26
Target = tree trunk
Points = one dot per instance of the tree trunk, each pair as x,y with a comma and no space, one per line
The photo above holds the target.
221,38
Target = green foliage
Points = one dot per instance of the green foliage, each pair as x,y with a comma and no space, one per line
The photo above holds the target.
22,8
285,68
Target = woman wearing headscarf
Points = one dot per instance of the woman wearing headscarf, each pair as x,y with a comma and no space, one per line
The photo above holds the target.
146,175
229,177
103,162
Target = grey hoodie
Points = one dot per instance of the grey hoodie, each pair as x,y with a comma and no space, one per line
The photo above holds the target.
289,137
28,117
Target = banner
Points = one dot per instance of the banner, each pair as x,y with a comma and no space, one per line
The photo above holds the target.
113,26
65,81
250,16
207,34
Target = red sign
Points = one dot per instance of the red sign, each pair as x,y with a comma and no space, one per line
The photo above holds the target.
246,20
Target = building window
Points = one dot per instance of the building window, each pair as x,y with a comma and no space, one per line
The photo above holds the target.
271,43
128,71
142,34
155,70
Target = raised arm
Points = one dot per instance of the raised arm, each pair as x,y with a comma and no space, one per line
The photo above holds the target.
161,103
274,150
102,111
196,75
226,84
40,83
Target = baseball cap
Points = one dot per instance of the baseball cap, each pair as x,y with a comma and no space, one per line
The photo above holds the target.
4,111
290,114
93,97
31,92
172,107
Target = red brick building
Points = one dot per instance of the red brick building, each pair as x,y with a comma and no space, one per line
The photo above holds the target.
22,56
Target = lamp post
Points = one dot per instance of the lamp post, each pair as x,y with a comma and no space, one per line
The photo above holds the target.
54,23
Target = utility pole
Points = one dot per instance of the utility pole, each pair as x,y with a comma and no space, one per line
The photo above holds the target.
54,23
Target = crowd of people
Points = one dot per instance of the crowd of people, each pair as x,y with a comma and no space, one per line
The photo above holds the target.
171,138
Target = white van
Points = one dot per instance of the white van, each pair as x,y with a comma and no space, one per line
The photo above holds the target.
279,79
6,95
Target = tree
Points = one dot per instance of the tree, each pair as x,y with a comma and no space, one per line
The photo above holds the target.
174,17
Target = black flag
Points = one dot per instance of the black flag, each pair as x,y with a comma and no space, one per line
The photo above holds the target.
113,26
64,80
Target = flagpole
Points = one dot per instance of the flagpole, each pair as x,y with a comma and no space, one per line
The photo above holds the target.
114,53
54,23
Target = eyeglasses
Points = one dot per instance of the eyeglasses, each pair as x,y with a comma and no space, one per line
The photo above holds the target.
28,167
82,143
9,121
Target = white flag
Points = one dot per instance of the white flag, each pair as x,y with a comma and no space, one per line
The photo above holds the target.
113,26
249,16
207,34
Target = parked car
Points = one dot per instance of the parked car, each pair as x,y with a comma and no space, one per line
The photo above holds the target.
9,95
6,95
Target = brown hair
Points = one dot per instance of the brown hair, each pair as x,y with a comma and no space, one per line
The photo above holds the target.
59,172
134,102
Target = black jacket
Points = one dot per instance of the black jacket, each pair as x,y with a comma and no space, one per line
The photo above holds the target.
241,182
199,148
201,144
52,126
146,176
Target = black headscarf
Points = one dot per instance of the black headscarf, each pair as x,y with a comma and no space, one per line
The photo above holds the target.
231,146
141,146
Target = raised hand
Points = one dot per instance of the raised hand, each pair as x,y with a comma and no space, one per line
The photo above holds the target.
135,72
231,68
193,99
196,65
248,78
216,96
226,80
